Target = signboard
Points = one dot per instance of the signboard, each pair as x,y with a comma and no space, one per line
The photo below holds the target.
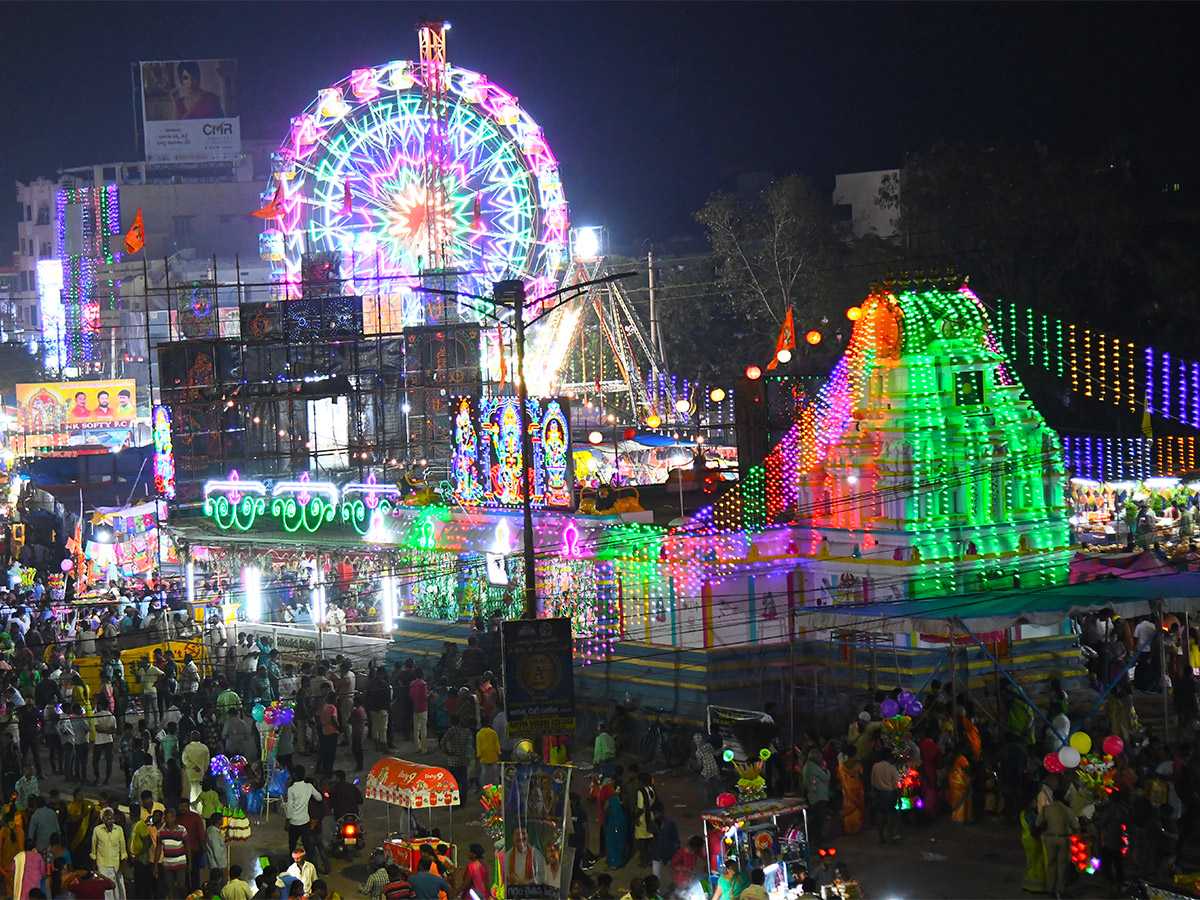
539,681
189,110
78,405
535,823
485,465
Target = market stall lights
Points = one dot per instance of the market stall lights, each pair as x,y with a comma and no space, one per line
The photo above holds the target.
595,437
717,395
784,356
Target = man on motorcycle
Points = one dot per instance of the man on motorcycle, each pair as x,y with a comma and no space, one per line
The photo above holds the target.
344,798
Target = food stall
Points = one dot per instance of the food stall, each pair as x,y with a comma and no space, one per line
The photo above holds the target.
412,787
771,834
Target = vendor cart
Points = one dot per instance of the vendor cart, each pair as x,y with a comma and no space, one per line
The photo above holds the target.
771,834
412,787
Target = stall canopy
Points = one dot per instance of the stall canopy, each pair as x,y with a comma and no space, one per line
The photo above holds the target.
990,611
411,785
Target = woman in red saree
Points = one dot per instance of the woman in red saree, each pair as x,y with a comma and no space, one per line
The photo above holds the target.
931,761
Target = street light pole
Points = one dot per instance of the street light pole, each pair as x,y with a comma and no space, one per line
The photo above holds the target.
512,295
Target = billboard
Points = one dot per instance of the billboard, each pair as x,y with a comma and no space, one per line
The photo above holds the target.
536,811
539,678
189,110
485,467
78,405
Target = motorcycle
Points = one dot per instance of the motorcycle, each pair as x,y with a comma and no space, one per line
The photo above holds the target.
348,836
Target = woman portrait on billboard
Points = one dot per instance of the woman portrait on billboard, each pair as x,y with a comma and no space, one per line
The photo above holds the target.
191,100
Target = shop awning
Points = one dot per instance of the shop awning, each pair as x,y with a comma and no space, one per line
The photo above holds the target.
990,611
411,785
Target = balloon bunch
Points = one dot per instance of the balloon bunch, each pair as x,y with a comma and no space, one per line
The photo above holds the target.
905,703
492,800
278,713
1071,755
230,767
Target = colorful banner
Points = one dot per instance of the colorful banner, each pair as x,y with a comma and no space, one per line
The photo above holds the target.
77,405
539,681
189,110
485,467
535,824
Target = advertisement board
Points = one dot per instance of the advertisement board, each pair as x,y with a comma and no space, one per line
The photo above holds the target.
189,110
79,405
535,823
539,678
485,465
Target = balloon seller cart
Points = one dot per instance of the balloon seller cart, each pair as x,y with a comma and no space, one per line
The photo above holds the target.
771,834
412,787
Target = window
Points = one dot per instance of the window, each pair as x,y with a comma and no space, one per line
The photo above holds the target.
24,280
33,317
183,226
46,251
24,244
43,215
28,212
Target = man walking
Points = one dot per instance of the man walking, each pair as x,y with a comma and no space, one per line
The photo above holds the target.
456,743
885,781
1059,823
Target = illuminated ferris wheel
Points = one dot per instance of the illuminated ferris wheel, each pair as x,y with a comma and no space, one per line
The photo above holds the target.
412,168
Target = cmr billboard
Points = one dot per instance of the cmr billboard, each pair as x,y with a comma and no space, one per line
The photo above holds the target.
189,110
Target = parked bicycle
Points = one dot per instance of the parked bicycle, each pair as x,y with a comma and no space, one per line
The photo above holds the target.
669,737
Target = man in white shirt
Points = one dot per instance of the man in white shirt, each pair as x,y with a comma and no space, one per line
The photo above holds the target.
295,807
105,725
301,870
1143,634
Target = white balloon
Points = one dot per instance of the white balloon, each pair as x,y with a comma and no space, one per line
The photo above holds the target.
1069,756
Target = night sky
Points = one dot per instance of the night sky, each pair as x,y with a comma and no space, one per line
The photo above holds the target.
648,107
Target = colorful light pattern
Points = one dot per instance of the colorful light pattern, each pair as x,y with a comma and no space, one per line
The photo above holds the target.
82,249
164,454
1103,367
499,212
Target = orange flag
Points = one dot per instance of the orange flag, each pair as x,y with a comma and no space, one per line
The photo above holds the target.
787,339
135,239
347,201
477,218
271,210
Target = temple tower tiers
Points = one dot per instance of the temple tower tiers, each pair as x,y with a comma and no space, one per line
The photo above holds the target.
921,461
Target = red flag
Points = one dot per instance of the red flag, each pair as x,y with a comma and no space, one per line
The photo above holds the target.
787,339
503,361
347,202
477,219
272,209
135,239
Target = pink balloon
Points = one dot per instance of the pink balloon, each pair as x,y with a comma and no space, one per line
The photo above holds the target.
1113,745
726,799
1053,764
66,565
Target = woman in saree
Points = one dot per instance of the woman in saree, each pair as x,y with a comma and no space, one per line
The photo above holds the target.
616,828
931,762
1035,852
854,795
960,785
82,815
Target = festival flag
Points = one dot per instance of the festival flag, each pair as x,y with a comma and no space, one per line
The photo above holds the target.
272,209
347,202
503,361
1147,423
787,339
477,218
135,239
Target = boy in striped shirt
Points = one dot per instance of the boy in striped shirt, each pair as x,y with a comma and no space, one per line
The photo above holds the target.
176,858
